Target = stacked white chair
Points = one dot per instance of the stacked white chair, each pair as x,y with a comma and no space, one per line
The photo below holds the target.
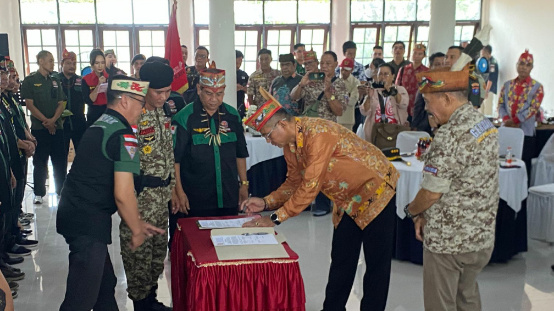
543,167
540,213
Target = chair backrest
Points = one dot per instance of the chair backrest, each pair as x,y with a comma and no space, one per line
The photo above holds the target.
510,137
547,151
407,141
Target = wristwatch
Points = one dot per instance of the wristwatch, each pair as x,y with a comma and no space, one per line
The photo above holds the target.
244,182
407,212
275,219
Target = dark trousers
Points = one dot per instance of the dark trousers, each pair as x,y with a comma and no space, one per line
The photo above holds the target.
358,119
52,146
323,203
377,240
529,152
73,135
217,212
91,279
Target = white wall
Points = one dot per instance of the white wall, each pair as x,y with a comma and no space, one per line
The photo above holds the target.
518,25
9,23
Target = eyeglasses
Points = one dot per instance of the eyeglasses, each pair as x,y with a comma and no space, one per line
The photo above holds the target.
268,135
141,101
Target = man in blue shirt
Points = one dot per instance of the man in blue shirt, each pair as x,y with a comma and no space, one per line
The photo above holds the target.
349,51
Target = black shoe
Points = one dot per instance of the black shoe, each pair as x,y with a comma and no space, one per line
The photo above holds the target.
14,294
13,260
19,251
24,222
11,275
26,231
27,243
318,213
155,305
13,285
552,267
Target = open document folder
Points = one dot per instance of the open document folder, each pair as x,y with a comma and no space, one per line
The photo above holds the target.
248,243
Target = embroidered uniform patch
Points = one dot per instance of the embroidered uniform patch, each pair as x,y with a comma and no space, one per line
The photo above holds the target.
483,129
146,131
173,128
431,170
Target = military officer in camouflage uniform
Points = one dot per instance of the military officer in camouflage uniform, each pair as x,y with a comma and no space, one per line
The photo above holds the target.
455,210
154,186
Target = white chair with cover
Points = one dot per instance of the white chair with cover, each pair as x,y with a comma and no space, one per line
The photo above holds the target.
540,213
407,141
543,168
510,137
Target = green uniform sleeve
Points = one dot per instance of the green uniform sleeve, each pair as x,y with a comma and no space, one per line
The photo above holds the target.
128,160
61,94
26,89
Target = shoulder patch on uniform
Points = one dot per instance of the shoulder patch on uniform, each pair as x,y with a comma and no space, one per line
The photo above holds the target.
431,170
483,129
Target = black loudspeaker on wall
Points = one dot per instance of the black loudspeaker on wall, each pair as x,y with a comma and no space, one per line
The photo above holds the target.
4,48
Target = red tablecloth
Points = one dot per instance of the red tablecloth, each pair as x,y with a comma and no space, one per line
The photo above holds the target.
199,281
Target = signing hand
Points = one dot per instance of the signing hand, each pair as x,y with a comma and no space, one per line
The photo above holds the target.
419,224
252,205
146,230
264,221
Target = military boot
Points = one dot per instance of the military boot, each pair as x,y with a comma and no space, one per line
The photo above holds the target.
142,305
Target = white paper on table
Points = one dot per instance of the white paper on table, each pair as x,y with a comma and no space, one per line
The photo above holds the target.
103,87
223,223
244,239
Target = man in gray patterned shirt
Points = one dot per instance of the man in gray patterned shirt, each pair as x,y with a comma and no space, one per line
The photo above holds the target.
455,210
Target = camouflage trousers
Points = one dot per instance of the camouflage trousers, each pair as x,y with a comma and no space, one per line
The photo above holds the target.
144,266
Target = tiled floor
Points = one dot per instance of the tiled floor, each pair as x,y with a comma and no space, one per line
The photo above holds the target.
524,283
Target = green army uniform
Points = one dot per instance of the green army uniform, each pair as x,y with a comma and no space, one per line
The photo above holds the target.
300,69
86,207
155,143
46,93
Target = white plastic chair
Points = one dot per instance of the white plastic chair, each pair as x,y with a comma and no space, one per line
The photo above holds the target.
540,213
510,137
543,167
407,141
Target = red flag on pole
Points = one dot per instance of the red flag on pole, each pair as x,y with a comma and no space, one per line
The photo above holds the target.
173,54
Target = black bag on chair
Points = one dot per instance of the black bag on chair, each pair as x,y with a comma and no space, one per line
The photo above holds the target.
384,134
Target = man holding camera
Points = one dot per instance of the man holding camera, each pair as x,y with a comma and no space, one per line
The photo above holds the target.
325,96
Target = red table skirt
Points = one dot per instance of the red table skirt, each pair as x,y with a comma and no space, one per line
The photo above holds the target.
265,284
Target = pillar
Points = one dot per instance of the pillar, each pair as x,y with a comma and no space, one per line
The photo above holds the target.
340,26
441,25
185,24
222,45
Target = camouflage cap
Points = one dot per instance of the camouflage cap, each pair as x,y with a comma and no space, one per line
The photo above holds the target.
310,55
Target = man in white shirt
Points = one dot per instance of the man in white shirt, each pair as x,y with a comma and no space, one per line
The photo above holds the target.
347,119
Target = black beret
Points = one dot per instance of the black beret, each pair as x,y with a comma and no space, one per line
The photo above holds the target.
157,59
158,74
